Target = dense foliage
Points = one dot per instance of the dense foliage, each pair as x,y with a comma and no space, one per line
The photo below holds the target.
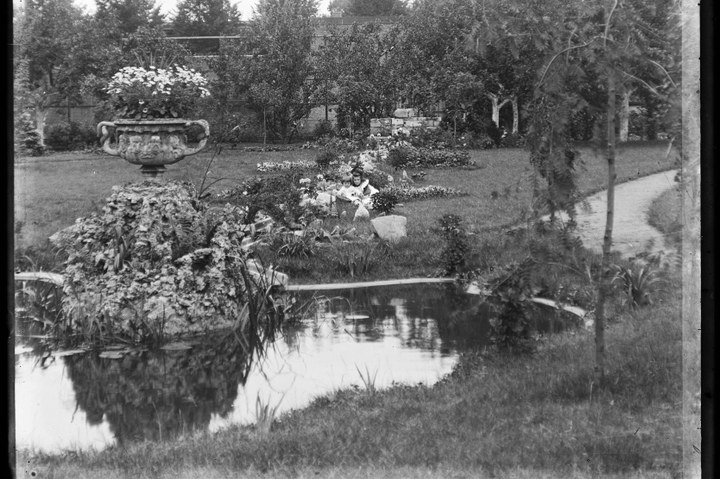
155,263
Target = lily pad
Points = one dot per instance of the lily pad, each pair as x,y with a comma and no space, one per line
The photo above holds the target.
176,346
112,354
68,352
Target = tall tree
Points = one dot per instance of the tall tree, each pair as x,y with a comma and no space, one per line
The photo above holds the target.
281,39
605,42
122,17
44,37
369,7
354,70
206,18
508,77
431,50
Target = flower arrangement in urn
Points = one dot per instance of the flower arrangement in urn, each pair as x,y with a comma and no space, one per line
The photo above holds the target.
153,93
151,104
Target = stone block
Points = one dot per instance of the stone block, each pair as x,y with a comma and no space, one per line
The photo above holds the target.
404,112
391,227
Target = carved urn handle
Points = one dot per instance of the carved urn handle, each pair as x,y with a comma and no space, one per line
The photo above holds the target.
203,140
102,132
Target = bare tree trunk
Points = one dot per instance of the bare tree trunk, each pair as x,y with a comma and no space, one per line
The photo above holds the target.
624,113
41,114
496,106
516,115
603,283
264,127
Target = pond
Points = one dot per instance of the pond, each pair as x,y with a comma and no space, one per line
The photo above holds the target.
354,338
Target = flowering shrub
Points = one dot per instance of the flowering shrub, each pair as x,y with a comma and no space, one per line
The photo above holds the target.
405,192
154,263
140,93
278,197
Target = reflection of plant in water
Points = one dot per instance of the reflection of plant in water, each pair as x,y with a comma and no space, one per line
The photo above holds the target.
160,395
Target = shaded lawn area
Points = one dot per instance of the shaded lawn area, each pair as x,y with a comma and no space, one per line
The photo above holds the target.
53,190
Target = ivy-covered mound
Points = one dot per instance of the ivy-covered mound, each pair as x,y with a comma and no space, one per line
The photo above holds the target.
155,263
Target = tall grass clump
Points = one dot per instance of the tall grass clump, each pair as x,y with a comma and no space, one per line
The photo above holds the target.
638,281
356,259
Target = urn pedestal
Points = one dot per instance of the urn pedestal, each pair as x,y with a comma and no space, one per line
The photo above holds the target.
152,144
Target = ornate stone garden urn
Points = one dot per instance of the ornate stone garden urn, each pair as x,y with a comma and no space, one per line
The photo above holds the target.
150,143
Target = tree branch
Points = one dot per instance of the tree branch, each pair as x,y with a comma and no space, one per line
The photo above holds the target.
650,87
664,71
542,77
607,24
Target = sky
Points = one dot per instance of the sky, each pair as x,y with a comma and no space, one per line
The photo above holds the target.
168,6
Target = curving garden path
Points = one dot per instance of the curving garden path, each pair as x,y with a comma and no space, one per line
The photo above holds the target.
631,232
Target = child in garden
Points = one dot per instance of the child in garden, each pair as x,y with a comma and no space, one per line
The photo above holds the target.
356,189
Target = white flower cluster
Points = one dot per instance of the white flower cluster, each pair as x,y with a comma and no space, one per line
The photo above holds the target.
405,192
285,165
158,81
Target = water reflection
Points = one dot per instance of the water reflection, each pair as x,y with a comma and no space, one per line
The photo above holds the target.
158,395
430,317
406,335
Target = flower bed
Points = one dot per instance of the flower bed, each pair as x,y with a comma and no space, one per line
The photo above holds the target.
412,157
406,192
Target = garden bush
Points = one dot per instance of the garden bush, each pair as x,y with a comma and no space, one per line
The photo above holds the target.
70,136
513,140
512,326
412,157
277,196
322,129
398,158
326,157
494,132
29,138
457,247
384,201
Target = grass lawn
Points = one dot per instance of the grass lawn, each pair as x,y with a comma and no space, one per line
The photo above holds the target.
53,190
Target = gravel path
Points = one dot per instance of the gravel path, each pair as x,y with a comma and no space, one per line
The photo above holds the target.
631,232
